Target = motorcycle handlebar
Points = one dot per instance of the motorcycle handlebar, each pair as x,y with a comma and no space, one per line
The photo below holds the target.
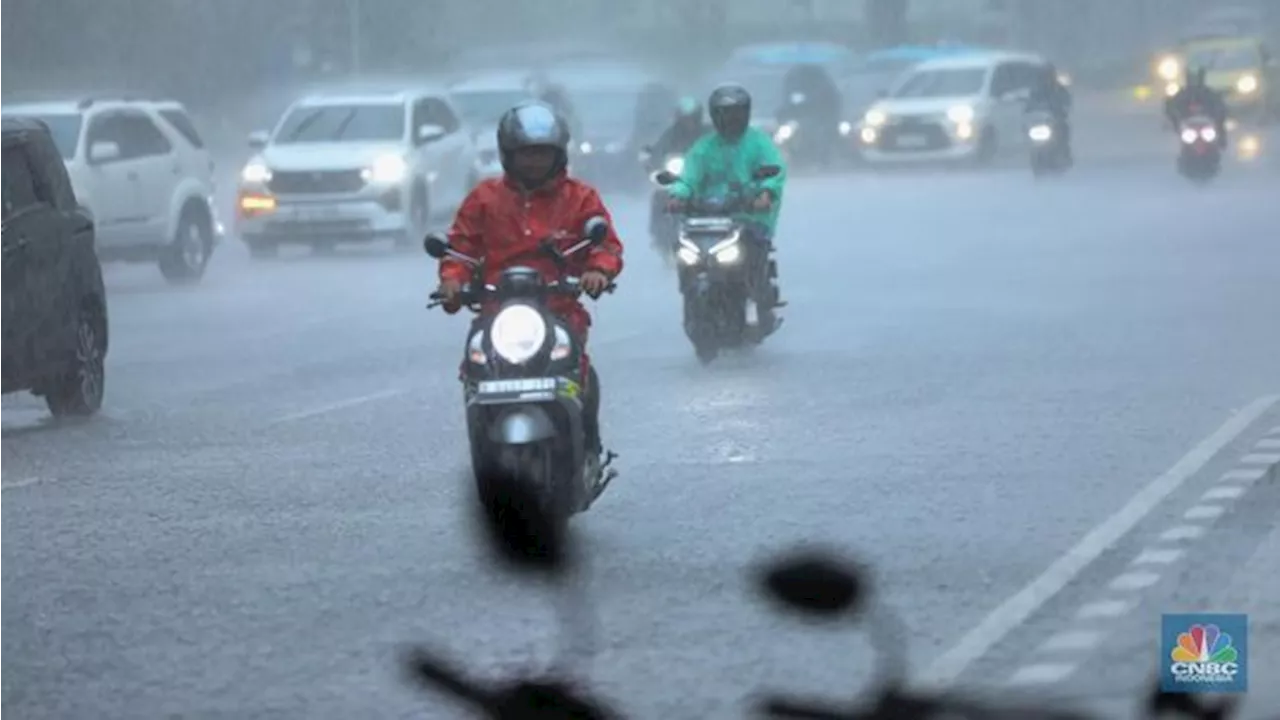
471,295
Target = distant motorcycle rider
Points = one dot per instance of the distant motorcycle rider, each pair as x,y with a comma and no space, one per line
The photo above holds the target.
1197,98
726,158
504,220
813,102
1049,95
676,140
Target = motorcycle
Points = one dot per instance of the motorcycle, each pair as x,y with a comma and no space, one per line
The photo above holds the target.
1049,154
523,381
720,273
1200,158
663,231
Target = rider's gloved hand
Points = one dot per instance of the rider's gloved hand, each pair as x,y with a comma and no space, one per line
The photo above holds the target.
594,282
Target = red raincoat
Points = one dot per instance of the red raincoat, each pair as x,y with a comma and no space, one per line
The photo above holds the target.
503,225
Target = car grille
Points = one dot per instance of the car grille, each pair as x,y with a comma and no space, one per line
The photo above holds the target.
316,227
935,137
315,182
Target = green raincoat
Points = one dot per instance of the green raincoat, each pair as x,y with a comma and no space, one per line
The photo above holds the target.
713,163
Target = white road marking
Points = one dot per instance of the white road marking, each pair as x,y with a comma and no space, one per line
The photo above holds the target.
1072,640
339,405
1105,609
1182,532
1243,475
1204,512
27,482
1134,581
1158,556
1260,459
1268,444
1042,674
1226,492
1015,611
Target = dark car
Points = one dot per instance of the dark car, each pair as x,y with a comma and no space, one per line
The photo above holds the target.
55,306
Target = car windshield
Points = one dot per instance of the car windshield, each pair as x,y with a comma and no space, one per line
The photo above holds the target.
601,110
1229,58
341,123
65,129
484,107
942,83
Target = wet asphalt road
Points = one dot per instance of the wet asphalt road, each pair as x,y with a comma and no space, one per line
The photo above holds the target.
975,370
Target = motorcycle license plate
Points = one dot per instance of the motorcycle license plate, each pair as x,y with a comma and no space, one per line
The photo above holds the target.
912,141
503,387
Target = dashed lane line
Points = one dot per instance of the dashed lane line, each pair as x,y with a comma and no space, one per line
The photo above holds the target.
1226,492
1159,556
1105,609
1134,581
1017,609
1204,512
338,405
1260,459
1244,475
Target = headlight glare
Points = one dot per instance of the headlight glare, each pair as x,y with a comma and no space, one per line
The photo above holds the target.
1169,68
960,114
875,118
1040,133
1247,84
256,172
388,169
517,333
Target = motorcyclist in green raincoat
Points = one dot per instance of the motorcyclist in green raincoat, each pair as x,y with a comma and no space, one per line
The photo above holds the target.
728,157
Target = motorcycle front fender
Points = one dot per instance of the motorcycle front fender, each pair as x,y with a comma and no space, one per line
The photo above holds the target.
522,425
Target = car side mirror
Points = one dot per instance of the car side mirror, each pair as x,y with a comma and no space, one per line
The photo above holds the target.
103,151
665,178
435,246
258,139
764,172
430,133
596,230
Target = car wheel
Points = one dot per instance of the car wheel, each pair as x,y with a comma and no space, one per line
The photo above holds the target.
988,146
79,389
184,260
419,219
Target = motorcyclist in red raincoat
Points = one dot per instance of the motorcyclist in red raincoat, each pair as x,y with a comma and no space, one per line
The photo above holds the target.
504,220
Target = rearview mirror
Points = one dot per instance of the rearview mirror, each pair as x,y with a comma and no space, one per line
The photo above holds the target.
764,172
103,151
435,246
596,230
429,133
666,177
258,139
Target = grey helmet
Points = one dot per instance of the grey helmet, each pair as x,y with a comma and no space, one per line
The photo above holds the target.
730,110
533,124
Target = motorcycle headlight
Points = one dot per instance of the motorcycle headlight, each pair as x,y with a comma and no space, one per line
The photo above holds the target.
784,133
517,333
846,127
1247,84
1169,68
388,169
1171,89
688,253
1209,134
875,118
960,114
563,346
1189,136
255,172
729,254
675,165
1040,133
585,148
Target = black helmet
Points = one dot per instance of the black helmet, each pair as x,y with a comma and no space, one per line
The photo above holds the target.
730,107
1196,76
533,124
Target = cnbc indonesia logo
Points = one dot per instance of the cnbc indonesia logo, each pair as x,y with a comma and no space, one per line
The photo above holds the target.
1204,655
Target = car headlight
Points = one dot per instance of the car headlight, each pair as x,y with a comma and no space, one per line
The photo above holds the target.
255,172
1040,133
675,165
784,133
517,333
585,148
960,114
1169,68
846,127
875,118
1247,84
388,169
1209,134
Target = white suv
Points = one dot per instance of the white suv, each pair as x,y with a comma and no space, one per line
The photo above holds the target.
355,168
969,107
142,170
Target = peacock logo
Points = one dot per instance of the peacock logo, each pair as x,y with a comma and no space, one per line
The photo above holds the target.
1204,644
